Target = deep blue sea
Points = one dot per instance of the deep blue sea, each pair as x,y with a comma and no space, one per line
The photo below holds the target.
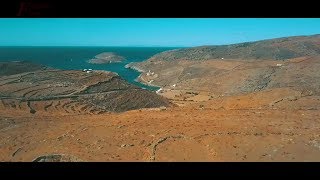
77,57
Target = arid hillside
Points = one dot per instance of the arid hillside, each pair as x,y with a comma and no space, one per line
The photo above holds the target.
244,128
216,73
73,122
271,49
74,91
19,67
259,103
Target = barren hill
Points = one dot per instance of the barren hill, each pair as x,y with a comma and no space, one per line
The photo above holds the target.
239,72
272,49
74,92
239,108
16,67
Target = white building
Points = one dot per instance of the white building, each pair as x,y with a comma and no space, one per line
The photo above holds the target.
159,90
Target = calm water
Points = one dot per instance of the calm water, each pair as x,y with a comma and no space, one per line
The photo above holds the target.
77,57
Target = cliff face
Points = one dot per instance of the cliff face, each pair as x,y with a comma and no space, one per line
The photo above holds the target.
74,92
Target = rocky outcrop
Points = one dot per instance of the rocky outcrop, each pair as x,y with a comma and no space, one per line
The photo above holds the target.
57,158
106,57
134,67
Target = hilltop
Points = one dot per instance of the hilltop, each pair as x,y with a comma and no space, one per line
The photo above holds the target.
271,49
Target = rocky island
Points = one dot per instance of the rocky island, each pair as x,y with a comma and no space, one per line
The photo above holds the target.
106,57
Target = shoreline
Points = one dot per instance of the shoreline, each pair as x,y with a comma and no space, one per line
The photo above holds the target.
95,61
131,66
139,79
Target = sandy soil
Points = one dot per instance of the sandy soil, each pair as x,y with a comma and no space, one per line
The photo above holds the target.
233,77
280,122
229,129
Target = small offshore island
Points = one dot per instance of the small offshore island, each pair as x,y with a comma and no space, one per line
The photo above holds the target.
106,57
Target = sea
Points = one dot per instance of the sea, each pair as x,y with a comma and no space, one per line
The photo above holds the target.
76,58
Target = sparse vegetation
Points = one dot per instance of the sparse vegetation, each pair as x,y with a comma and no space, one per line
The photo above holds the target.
266,49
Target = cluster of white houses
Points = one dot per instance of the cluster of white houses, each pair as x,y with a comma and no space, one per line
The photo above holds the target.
87,70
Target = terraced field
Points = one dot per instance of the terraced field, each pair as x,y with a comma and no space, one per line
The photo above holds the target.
74,92
254,101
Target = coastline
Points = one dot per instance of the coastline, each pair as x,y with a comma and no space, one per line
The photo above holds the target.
140,79
131,66
101,61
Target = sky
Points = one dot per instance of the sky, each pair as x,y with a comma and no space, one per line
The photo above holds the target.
169,32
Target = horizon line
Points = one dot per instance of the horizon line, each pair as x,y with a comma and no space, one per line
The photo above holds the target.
160,46
87,46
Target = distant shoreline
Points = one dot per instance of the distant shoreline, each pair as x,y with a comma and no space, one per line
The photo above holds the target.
139,79
68,58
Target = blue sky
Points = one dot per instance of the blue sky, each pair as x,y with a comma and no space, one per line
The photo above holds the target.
149,31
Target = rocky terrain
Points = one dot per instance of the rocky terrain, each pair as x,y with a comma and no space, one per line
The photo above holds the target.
211,78
74,91
271,49
16,67
106,57
233,77
230,109
236,129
